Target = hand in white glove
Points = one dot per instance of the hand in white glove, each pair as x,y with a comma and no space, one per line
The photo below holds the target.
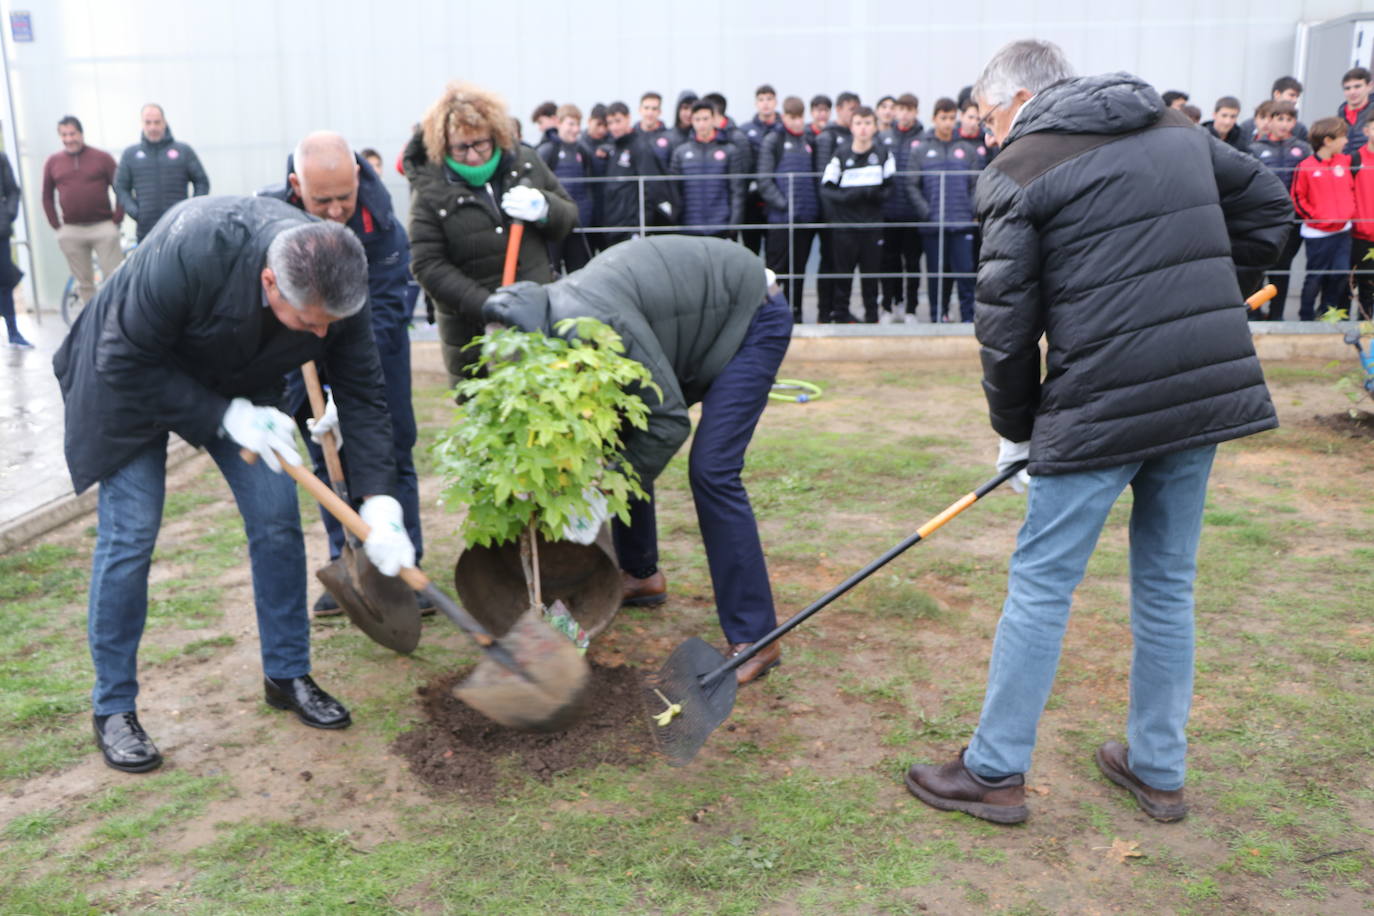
666,208
387,545
264,430
526,203
327,423
583,529
1009,453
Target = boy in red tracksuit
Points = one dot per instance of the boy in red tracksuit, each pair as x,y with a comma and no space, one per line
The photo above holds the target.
1324,196
1362,241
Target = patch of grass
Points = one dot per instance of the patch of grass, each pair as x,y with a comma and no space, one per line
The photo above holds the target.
33,826
54,572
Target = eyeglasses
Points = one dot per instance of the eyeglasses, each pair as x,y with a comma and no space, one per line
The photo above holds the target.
986,120
480,147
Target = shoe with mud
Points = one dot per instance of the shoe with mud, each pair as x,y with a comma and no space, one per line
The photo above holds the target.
326,606
954,787
769,657
1166,806
643,592
124,743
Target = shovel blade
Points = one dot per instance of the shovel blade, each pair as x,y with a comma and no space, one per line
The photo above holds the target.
704,708
383,607
551,693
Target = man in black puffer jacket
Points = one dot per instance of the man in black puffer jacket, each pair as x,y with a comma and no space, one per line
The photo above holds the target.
154,173
1113,228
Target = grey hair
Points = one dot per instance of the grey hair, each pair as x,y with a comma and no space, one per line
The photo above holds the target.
322,263
1026,64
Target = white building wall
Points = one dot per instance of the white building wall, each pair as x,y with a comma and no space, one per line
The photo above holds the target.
242,80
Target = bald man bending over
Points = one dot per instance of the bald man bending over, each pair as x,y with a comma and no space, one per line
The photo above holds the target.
325,178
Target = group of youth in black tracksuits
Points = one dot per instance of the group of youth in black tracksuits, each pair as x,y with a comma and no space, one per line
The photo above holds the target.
784,175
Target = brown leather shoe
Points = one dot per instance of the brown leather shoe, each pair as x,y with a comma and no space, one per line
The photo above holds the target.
769,657
1161,805
643,592
954,787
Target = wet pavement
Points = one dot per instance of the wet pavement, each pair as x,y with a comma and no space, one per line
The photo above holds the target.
33,472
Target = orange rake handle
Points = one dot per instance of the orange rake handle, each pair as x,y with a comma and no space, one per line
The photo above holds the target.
517,233
1264,295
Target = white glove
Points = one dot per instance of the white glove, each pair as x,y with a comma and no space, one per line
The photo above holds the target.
264,430
1009,453
526,203
583,529
666,208
327,423
387,545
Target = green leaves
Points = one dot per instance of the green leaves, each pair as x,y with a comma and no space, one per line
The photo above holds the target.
540,427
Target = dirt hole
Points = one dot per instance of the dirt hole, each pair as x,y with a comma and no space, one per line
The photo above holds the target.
457,749
1359,426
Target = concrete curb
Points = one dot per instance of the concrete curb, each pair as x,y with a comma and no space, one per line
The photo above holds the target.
53,514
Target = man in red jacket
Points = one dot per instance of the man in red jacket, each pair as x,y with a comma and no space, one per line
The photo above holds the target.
1362,240
81,178
1324,196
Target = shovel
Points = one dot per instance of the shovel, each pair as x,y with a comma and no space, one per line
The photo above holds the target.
381,606
531,678
694,692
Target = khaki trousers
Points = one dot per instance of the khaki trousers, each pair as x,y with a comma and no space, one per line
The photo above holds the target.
79,242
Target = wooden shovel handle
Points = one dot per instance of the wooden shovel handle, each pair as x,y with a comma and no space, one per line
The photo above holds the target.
517,232
341,510
317,404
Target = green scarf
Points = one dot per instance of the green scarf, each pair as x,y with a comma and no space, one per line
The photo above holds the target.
476,175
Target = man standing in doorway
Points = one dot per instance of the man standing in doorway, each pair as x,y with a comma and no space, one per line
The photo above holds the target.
81,177
154,173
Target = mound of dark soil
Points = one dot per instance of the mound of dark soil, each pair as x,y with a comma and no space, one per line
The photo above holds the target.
458,749
1359,426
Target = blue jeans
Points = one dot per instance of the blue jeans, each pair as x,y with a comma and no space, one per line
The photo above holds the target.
729,413
1064,516
129,515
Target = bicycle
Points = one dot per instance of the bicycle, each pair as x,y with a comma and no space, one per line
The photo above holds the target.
70,303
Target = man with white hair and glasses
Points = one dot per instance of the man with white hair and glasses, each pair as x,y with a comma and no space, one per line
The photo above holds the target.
1116,230
194,335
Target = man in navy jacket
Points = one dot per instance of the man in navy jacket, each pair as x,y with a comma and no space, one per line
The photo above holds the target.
326,179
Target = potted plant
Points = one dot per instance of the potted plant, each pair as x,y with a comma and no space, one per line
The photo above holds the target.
534,450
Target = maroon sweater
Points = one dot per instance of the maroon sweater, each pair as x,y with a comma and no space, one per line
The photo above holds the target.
83,182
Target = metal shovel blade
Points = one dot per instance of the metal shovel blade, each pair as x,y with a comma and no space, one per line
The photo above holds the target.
547,694
704,706
381,606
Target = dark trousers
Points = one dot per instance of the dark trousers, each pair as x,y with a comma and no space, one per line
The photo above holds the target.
1282,274
1328,269
958,258
754,215
947,284
862,249
825,287
571,253
786,254
901,254
729,413
393,346
1362,262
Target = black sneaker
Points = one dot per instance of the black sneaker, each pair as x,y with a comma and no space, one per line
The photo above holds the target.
124,743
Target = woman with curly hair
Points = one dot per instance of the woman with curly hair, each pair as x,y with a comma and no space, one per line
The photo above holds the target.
470,181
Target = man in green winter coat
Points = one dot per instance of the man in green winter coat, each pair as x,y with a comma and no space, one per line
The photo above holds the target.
699,314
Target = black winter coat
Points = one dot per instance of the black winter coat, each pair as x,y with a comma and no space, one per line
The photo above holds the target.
627,158
182,328
682,305
786,154
710,204
458,240
1113,228
152,177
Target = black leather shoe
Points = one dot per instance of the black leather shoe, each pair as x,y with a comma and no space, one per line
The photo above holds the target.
427,608
124,743
326,606
304,697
